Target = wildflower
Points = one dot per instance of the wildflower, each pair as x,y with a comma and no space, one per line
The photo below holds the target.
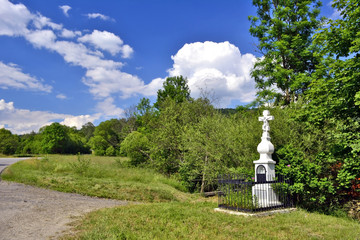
288,165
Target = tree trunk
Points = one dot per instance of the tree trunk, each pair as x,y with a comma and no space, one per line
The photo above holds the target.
203,176
146,154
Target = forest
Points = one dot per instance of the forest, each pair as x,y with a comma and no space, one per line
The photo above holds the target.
309,79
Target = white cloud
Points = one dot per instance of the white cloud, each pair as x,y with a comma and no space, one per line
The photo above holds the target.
65,9
6,106
108,108
100,16
336,14
74,53
104,82
40,22
65,33
113,80
21,121
152,88
61,96
218,67
107,41
79,55
79,121
14,18
126,51
11,76
41,38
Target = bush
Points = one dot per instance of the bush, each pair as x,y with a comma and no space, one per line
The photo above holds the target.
82,165
135,145
110,151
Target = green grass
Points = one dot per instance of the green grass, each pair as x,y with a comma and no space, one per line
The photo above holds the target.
198,220
96,176
167,212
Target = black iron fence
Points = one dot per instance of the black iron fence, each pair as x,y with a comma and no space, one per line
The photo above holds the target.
243,193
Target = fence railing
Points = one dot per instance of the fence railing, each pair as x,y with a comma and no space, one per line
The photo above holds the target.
243,193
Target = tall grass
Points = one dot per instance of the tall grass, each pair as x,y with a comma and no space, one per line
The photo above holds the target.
200,221
96,176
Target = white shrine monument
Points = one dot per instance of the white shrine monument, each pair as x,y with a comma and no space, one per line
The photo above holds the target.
263,193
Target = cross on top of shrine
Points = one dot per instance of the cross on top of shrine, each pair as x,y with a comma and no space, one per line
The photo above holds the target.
266,118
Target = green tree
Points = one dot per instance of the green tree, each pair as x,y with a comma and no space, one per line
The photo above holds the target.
336,89
57,138
54,138
88,130
136,147
8,142
168,128
206,150
284,30
30,143
77,143
175,88
98,145
332,103
145,114
106,134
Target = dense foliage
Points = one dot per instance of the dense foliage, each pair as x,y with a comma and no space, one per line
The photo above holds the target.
325,164
284,30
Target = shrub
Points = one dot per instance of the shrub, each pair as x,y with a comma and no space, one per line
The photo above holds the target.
135,145
81,166
110,151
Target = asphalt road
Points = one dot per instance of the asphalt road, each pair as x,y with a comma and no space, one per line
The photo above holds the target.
4,162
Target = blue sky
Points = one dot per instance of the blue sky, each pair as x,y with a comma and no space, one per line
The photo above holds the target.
78,61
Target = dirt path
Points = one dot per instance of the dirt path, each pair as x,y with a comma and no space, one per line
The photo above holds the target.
28,212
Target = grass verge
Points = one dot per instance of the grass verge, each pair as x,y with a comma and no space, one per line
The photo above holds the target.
199,221
96,176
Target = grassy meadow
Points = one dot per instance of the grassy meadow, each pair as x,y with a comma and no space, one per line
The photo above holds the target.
105,177
167,210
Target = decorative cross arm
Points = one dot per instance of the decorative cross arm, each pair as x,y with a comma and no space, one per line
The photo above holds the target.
266,118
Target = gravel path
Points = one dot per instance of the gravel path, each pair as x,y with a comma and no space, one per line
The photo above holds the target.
28,212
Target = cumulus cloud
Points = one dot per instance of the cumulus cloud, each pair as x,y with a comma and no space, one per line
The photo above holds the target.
218,67
41,38
14,18
6,106
11,76
79,121
65,33
109,109
152,88
103,82
100,16
74,53
45,35
21,121
107,41
103,76
65,9
126,51
41,21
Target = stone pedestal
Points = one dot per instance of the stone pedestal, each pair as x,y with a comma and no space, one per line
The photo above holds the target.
264,196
